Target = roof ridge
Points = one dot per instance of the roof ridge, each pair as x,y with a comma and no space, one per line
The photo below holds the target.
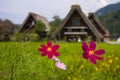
32,13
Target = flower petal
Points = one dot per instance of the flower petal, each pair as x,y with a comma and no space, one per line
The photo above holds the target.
99,52
92,45
56,59
85,56
41,49
55,47
99,58
49,43
92,59
44,54
56,54
60,65
50,55
43,46
85,47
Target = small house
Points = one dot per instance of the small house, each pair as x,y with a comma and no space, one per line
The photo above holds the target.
28,25
77,26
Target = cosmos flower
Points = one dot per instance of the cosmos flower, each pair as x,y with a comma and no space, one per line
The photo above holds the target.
90,53
56,59
60,65
49,49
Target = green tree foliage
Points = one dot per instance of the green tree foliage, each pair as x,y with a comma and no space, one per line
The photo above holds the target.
39,27
112,22
55,23
21,37
17,26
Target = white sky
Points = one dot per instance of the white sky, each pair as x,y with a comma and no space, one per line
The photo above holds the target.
17,10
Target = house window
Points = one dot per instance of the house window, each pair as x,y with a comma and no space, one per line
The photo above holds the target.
33,23
75,21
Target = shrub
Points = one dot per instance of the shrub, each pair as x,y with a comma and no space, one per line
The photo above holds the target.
21,37
39,27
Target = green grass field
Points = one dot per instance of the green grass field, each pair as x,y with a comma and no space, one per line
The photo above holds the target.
22,61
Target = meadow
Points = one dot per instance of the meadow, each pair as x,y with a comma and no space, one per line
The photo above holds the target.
22,61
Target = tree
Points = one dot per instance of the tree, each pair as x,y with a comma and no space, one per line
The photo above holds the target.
111,22
39,27
57,20
55,23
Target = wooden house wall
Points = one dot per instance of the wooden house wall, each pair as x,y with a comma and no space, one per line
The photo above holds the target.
82,24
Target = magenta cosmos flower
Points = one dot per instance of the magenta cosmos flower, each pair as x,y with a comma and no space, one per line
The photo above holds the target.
49,50
90,53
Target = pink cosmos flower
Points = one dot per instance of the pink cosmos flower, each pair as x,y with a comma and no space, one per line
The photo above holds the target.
49,50
60,65
91,53
56,59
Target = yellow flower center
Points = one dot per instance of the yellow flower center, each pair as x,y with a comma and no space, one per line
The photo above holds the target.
91,52
49,49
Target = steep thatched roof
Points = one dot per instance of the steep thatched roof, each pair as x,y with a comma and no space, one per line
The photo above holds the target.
6,27
98,25
36,18
85,19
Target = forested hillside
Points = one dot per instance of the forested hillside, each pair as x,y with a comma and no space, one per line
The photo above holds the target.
112,22
108,9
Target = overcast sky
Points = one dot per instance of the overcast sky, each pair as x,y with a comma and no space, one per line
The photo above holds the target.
17,10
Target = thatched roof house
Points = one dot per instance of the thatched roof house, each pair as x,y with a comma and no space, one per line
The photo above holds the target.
77,26
102,30
30,21
6,29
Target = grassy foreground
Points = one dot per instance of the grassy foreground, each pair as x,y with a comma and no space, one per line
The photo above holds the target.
22,61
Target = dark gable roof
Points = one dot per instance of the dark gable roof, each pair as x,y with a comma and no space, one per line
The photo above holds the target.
92,17
86,20
36,17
